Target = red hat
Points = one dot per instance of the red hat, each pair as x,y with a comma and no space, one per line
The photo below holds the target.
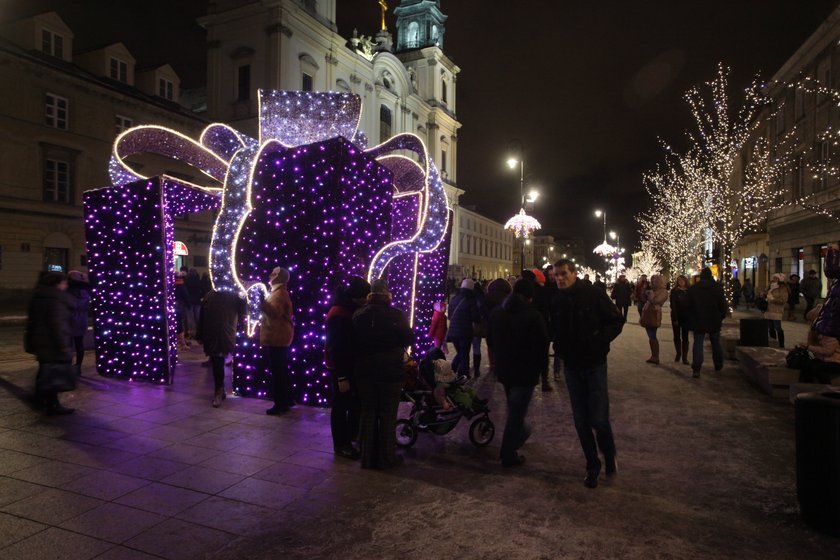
539,276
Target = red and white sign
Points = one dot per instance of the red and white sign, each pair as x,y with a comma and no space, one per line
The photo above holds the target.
179,248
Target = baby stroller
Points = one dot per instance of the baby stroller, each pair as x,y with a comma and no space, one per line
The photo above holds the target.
427,415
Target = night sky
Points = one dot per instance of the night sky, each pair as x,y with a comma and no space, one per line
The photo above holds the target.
586,88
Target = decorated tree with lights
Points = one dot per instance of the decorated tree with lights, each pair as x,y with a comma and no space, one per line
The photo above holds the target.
732,169
646,262
616,266
727,174
671,227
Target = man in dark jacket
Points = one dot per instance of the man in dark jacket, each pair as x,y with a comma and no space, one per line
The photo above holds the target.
622,293
48,336
520,340
584,322
381,335
344,417
463,312
218,320
707,305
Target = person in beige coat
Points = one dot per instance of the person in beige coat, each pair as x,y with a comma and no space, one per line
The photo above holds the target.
653,299
777,297
276,333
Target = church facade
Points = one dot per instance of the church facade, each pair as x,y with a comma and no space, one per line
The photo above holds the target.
407,85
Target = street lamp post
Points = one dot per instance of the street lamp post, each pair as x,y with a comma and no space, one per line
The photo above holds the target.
522,224
598,214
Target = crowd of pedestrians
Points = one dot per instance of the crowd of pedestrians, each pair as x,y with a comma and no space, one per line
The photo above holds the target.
525,321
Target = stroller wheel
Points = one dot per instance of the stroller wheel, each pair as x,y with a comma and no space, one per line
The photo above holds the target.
406,433
482,431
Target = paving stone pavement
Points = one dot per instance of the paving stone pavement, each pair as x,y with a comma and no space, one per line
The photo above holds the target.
706,470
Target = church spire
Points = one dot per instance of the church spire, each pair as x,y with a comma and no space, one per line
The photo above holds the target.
420,24
384,7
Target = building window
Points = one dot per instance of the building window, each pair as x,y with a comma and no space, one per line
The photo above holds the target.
56,259
52,43
384,123
119,70
799,103
122,123
443,90
55,111
825,73
780,120
57,180
243,83
342,85
166,89
799,179
306,82
412,40
443,160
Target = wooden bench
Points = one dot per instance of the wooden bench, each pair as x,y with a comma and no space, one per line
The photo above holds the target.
766,369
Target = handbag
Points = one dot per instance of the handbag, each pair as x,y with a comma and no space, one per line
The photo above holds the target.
761,304
651,316
55,377
797,358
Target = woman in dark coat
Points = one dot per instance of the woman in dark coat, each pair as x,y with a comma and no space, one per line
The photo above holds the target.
463,312
381,335
220,315
48,335
497,292
79,289
680,318
340,355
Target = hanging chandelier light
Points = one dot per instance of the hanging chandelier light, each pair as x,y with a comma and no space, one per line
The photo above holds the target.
522,224
604,250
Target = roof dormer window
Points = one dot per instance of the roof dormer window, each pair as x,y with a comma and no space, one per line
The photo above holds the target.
52,43
166,89
119,70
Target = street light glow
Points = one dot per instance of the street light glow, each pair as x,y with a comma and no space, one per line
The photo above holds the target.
512,163
533,195
598,213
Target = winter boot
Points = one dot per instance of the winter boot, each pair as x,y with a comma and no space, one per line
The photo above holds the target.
477,365
685,352
654,352
677,348
218,397
781,335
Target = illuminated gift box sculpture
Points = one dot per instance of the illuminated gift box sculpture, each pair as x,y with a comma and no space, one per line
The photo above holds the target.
303,197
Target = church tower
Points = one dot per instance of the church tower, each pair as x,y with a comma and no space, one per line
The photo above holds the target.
420,24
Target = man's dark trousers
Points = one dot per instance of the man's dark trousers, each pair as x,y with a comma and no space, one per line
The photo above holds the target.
518,399
587,388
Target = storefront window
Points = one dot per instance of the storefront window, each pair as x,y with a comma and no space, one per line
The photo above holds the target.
55,259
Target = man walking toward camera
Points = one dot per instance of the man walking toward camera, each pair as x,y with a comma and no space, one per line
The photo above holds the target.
584,322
